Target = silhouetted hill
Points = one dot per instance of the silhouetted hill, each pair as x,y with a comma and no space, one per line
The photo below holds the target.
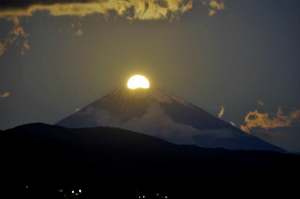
112,162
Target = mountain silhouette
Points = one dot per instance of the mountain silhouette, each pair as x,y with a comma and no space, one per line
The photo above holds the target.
106,162
158,113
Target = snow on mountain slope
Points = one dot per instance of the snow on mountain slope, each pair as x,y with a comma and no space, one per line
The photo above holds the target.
161,114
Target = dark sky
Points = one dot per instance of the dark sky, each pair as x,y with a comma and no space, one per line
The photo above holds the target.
55,58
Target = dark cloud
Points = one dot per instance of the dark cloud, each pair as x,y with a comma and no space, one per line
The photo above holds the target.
130,9
17,4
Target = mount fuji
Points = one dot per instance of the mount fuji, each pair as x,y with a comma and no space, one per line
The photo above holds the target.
158,113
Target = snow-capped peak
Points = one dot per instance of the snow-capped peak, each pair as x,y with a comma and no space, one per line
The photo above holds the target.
152,94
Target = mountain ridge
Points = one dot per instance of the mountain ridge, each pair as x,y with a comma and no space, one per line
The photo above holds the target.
106,159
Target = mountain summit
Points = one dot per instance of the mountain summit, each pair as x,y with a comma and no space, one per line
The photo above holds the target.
158,113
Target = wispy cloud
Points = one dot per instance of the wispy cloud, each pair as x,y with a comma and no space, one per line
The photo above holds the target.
221,112
16,32
214,6
78,33
233,124
78,109
295,115
2,48
245,129
6,94
129,9
262,120
260,103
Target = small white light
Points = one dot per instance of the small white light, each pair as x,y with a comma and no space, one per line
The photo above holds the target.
26,187
79,190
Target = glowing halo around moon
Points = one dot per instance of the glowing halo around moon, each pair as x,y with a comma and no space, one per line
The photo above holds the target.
138,81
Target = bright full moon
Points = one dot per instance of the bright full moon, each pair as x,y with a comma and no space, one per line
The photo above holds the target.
138,81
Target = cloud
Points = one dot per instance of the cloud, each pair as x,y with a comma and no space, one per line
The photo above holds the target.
221,112
262,120
233,124
167,129
78,33
295,115
16,33
280,129
260,103
78,109
217,5
25,47
214,6
6,94
211,12
2,48
256,119
12,10
130,9
245,129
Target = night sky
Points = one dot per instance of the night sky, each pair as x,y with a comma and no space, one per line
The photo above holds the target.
238,60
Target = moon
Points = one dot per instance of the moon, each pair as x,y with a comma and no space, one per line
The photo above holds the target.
138,81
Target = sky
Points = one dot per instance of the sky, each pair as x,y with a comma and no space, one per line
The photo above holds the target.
236,59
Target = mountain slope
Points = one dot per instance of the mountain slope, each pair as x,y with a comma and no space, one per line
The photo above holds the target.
161,114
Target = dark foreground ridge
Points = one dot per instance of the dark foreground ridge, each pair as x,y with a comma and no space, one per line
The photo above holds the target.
45,161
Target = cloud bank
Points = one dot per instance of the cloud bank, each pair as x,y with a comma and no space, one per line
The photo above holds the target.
130,9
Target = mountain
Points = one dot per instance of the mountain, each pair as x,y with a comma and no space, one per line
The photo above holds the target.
161,114
158,113
108,162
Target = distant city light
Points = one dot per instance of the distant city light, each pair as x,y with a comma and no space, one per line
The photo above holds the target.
166,196
73,191
79,190
26,187
60,190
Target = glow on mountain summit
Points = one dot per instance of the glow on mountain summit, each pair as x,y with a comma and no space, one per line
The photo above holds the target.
138,81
